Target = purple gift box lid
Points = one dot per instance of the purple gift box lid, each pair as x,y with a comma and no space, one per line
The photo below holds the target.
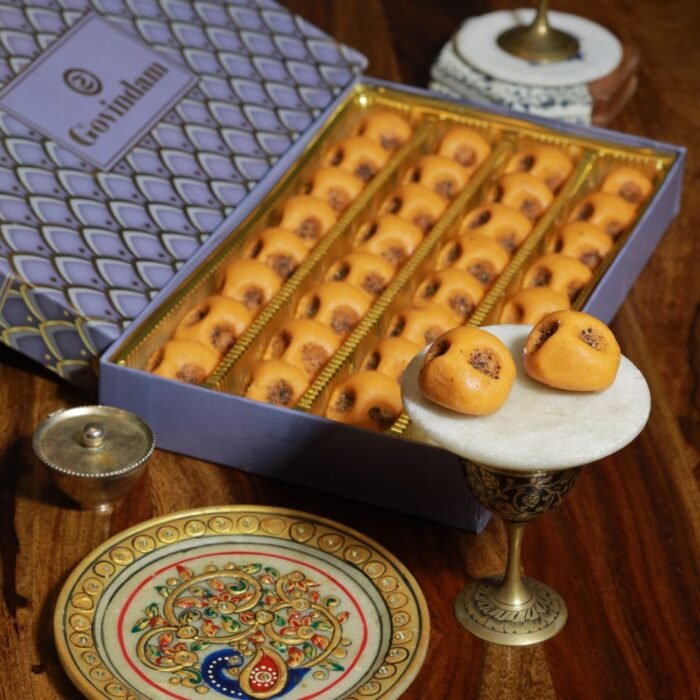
129,133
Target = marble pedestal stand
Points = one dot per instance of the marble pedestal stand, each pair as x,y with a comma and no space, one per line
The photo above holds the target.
521,462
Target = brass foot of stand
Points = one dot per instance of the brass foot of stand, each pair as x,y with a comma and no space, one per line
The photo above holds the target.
535,620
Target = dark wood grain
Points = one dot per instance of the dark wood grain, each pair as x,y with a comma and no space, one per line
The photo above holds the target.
624,548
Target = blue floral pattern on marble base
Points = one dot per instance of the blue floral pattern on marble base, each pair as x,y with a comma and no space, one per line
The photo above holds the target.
453,76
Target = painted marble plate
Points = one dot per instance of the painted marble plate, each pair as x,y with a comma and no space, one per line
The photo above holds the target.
241,602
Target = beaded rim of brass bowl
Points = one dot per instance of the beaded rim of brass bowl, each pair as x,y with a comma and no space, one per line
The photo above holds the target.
55,442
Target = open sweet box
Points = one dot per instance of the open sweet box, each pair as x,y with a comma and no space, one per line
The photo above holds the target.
159,218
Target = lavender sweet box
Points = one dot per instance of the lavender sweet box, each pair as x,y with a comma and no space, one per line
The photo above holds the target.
147,171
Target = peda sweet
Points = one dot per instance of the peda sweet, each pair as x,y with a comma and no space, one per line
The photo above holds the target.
368,399
629,183
335,186
276,382
457,289
584,242
386,128
504,224
249,281
279,249
358,156
218,322
416,204
184,360
524,193
466,146
391,356
389,236
572,350
482,257
560,272
468,370
339,305
444,176
307,217
530,305
548,163
369,272
422,321
304,343
608,212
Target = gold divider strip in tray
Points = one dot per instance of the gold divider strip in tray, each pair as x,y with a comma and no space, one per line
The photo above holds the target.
404,275
317,255
570,189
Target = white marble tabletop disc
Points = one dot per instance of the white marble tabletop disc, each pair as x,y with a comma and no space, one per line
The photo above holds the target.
538,427
600,50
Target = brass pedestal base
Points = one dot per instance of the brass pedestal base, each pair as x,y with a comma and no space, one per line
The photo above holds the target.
537,619
539,42
537,47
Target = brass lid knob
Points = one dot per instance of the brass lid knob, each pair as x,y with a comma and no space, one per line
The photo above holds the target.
93,435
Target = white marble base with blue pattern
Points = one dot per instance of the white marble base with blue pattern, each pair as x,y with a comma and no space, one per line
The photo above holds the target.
451,75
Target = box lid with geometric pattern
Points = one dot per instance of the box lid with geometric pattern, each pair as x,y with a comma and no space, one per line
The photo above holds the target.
129,130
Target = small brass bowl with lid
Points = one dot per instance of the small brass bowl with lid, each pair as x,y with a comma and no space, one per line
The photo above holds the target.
95,454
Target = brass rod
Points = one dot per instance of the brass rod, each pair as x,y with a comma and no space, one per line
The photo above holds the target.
513,590
541,19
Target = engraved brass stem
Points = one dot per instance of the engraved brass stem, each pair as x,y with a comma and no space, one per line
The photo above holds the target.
513,591
539,42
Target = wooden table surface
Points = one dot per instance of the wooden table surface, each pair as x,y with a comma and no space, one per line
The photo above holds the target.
622,550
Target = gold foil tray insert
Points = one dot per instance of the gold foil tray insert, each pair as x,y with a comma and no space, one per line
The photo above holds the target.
429,117
316,257
232,377
342,364
160,325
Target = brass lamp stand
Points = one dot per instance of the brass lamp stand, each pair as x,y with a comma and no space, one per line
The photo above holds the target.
539,42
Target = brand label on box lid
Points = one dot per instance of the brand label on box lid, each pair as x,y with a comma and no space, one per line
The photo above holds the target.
96,91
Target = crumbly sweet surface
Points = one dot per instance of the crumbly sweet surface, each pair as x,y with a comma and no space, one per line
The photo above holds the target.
572,350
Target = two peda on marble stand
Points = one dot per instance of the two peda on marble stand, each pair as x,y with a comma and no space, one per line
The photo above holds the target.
521,462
